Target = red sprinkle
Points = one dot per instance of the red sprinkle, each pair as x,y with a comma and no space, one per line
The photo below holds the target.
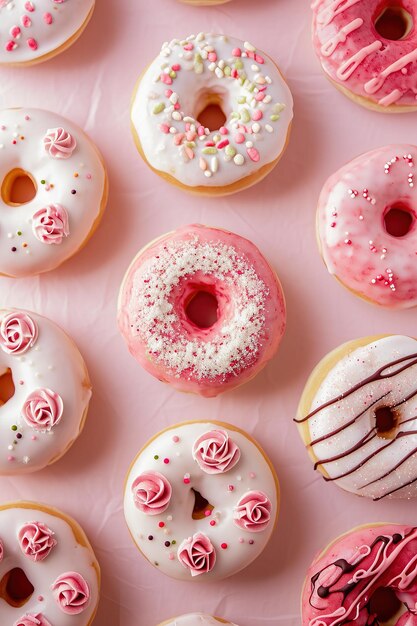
10,46
26,21
32,43
166,461
47,18
161,524
15,32
29,7
176,67
223,144
212,522
224,546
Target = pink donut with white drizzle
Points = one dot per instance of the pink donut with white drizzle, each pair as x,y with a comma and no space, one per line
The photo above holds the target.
197,267
365,577
368,49
366,226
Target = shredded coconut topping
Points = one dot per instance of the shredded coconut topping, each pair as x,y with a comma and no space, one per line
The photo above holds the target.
221,354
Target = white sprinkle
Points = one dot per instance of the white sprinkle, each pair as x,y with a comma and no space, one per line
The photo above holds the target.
239,159
269,128
249,144
214,164
176,115
219,73
248,46
207,173
256,128
212,67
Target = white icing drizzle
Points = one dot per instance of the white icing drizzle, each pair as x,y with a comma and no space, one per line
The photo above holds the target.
346,69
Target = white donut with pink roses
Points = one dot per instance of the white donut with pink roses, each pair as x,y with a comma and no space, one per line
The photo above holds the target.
201,500
49,575
53,176
44,392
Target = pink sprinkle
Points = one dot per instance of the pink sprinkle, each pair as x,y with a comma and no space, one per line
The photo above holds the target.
175,439
10,458
176,67
223,144
223,130
258,115
32,43
239,138
210,144
34,437
189,153
89,177
166,79
223,546
187,127
177,106
15,32
171,556
29,6
48,19
40,598
10,46
252,475
191,135
253,154
212,522
168,93
201,131
26,21
237,52
241,540
259,96
164,128
178,138
212,56
235,73
333,224
20,381
166,461
259,59
189,46
207,513
230,487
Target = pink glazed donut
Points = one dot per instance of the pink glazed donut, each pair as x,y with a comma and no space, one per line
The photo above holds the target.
368,49
366,226
168,277
365,577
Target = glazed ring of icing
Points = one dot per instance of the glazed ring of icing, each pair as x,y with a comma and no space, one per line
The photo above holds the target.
33,31
375,69
196,619
43,409
189,75
367,226
201,500
69,189
49,574
157,290
344,581
357,417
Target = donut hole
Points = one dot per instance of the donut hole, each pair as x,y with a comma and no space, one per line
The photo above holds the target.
398,220
16,588
386,422
7,388
210,109
18,188
393,22
202,508
202,308
384,604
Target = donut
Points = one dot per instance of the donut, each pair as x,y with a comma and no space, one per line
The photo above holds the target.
358,417
366,577
196,619
201,500
33,31
53,190
44,392
49,575
366,226
167,278
250,133
368,50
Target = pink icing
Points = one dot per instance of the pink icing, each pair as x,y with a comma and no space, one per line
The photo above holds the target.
50,224
18,332
151,493
253,511
369,261
1,550
72,593
43,409
59,143
36,540
215,452
32,620
356,57
198,554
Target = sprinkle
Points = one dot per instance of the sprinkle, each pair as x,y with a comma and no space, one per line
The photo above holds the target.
230,487
223,546
239,138
269,128
241,540
10,46
161,524
237,52
256,128
32,43
253,154
150,537
212,522
10,458
29,6
167,544
214,165
248,46
175,439
156,457
158,108
166,461
252,475
251,541
239,159
207,512
48,19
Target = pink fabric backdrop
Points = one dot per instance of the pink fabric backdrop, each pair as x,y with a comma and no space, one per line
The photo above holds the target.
92,84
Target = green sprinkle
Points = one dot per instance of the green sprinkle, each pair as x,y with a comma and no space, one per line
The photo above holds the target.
191,144
238,64
19,232
173,74
14,427
251,87
235,115
241,99
156,457
173,542
230,151
43,182
210,150
227,70
158,108
245,115
274,118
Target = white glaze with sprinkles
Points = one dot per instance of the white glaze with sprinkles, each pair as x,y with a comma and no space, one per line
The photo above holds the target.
257,102
76,182
251,309
171,454
31,29
195,619
51,361
68,555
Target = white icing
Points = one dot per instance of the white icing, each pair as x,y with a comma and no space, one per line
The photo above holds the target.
53,362
198,75
350,370
30,155
195,619
67,19
68,555
252,472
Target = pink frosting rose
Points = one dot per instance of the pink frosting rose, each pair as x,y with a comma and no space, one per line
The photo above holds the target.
152,493
198,554
50,224
18,332
215,452
58,142
43,409
36,540
71,592
32,620
253,511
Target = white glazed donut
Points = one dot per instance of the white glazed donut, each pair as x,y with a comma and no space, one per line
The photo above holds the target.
178,85
201,500
51,392
68,175
59,578
33,31
196,619
358,417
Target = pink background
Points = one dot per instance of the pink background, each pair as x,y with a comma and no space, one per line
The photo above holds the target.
92,84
